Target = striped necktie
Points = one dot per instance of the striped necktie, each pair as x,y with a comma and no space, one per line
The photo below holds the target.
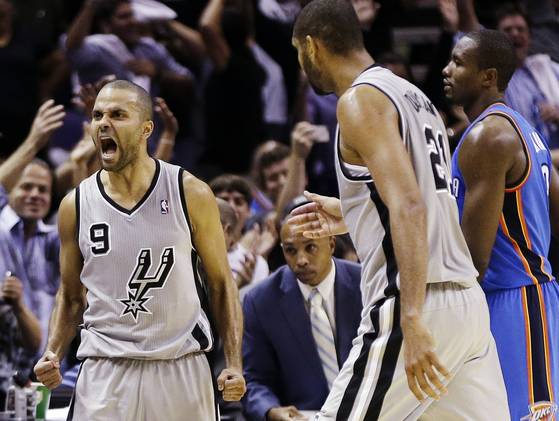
323,337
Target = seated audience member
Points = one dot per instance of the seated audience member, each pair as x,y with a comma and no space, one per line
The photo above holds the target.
20,333
248,268
235,190
269,172
299,325
31,250
121,50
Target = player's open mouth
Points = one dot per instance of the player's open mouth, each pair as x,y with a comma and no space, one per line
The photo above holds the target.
108,146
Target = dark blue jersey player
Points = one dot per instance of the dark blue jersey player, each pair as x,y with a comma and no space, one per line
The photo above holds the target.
508,198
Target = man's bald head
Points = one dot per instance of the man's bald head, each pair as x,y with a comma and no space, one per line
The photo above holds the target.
143,99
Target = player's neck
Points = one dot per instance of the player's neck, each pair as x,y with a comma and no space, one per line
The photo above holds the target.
481,103
134,179
348,68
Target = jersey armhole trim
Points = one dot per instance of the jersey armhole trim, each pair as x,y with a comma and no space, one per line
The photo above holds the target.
77,204
183,204
522,180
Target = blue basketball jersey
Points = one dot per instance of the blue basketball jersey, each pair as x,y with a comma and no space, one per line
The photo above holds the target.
519,255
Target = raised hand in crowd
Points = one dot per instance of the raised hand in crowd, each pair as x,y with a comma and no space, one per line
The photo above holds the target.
243,275
449,14
88,92
11,292
261,239
166,142
49,117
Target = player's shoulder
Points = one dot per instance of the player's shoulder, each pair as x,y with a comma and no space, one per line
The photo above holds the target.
494,133
193,186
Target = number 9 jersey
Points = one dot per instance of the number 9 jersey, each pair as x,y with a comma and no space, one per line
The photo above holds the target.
519,255
144,293
424,135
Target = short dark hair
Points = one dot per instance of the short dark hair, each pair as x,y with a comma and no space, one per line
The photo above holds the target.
495,50
231,183
266,154
334,22
107,8
143,97
512,9
227,214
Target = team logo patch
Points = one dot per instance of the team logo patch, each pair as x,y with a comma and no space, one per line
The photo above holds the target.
541,411
140,283
164,207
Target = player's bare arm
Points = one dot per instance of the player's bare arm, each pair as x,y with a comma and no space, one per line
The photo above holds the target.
224,298
488,163
554,200
70,299
370,136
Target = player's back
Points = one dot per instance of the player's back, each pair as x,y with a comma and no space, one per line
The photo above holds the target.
519,255
144,294
367,217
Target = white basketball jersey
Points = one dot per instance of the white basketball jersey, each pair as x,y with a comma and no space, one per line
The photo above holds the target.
367,217
144,294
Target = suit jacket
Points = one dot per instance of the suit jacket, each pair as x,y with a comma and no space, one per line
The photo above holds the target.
280,359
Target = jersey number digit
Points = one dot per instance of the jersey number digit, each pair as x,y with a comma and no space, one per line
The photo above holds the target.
438,160
545,173
99,236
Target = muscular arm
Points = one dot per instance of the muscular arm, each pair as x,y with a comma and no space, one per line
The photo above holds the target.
210,28
210,244
486,157
369,128
70,302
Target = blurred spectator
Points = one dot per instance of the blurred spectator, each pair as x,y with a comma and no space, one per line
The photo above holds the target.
288,366
121,50
20,332
321,111
245,94
28,74
31,253
397,64
534,88
269,173
377,32
248,267
235,190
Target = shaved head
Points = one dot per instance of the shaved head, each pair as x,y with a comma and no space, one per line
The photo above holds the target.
143,99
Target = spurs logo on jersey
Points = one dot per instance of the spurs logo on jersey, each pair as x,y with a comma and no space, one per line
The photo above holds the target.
140,283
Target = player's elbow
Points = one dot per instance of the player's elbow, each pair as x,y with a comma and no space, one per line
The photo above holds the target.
411,209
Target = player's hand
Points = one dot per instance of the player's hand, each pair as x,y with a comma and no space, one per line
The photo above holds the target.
49,117
320,218
424,371
47,370
12,292
284,413
232,383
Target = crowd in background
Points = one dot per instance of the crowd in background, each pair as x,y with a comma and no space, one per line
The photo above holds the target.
232,107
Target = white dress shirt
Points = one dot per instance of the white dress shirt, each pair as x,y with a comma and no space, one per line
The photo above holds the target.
326,290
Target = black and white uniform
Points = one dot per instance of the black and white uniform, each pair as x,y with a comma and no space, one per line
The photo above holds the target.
146,328
372,383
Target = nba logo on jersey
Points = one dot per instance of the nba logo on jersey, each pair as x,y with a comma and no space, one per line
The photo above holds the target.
541,411
164,207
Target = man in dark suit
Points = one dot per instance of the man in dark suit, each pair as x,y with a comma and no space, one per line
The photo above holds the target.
299,324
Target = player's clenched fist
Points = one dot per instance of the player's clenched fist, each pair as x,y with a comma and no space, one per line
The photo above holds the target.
47,370
232,383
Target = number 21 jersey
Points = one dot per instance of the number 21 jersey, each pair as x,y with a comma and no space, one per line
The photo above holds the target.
144,294
423,133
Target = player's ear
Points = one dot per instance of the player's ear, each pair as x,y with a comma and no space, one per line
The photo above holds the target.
147,129
311,47
489,77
